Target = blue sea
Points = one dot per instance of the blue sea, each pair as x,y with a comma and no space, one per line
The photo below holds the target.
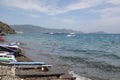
96,56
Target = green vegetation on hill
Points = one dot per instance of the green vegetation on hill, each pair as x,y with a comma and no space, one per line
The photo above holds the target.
6,29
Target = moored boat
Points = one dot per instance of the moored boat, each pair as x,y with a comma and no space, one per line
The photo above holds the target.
71,34
1,39
7,58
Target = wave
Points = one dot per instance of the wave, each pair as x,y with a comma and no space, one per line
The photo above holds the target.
98,65
113,56
84,51
78,77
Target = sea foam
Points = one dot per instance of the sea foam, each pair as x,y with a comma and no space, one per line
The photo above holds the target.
78,77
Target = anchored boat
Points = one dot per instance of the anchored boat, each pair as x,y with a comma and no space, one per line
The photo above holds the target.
71,34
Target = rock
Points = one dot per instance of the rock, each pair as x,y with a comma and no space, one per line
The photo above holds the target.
6,29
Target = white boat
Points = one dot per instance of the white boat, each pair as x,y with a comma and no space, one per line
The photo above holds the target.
4,52
71,34
7,58
11,46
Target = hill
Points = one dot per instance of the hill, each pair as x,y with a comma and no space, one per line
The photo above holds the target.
38,29
6,29
98,32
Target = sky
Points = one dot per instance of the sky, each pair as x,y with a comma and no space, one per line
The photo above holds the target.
81,15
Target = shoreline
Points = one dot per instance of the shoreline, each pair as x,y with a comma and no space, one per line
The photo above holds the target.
59,65
52,59
48,59
11,72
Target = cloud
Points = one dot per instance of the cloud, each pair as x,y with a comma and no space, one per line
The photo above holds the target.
34,15
110,12
24,4
68,20
52,7
83,4
49,6
79,5
115,2
109,17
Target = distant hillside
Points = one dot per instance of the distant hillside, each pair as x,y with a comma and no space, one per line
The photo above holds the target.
38,29
99,32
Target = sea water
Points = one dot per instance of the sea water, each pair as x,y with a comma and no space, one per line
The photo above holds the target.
96,56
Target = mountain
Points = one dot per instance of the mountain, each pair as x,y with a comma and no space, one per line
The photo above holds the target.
98,32
6,29
38,29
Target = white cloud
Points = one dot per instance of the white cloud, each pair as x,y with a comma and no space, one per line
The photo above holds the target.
34,15
51,7
68,20
115,2
110,12
24,4
83,4
109,17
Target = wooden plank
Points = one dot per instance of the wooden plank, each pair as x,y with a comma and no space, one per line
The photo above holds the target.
31,66
39,74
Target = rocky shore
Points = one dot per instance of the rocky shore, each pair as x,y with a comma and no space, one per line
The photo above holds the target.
6,29
10,72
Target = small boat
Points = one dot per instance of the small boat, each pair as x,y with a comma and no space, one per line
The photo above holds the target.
16,52
1,39
14,43
7,58
6,53
71,34
52,33
13,47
